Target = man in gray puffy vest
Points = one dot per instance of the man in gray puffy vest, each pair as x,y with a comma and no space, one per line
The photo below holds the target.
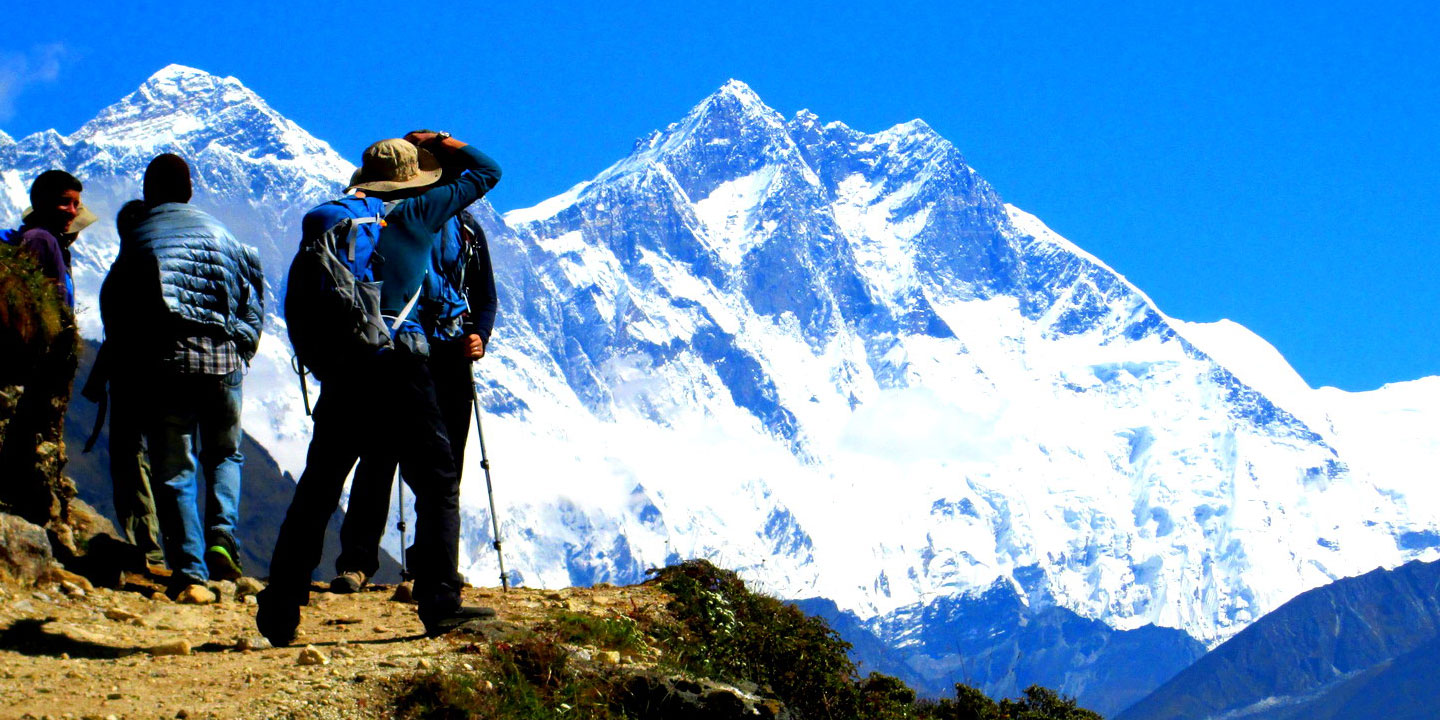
189,297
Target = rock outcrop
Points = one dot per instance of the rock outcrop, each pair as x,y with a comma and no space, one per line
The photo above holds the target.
38,342
41,520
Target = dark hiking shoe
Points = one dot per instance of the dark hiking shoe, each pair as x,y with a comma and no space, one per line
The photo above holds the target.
348,582
457,619
277,617
222,558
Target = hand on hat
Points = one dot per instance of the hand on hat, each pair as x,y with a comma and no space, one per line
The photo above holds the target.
420,137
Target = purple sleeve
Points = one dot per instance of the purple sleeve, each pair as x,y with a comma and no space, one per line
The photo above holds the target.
46,250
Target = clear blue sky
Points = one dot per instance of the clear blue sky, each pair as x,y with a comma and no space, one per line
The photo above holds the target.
1246,160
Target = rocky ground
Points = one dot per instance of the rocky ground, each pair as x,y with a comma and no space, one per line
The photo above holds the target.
71,651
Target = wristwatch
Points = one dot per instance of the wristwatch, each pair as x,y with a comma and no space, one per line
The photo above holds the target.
441,136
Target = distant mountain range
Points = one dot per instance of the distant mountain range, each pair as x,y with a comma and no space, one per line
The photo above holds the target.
838,362
1362,647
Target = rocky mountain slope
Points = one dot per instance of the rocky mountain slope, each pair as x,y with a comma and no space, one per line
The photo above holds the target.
1359,642
995,640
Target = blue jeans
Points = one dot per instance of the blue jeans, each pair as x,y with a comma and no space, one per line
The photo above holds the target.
195,417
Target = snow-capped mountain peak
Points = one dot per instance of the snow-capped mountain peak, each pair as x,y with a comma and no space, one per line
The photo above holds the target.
190,111
894,318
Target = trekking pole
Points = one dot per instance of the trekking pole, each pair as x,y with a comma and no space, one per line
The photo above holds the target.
489,487
304,389
400,524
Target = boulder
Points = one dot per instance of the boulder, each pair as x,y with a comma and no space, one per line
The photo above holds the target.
654,695
25,555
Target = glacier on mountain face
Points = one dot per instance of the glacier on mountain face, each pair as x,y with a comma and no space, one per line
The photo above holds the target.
966,394
837,362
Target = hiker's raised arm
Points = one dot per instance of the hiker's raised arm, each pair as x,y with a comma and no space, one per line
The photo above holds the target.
479,173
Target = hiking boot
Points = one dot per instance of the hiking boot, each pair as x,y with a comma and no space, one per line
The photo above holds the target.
194,594
276,617
348,582
222,558
460,617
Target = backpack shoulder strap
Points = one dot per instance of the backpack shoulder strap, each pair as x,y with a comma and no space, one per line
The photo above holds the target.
409,306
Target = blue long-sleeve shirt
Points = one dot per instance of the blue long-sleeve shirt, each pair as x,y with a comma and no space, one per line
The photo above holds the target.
413,225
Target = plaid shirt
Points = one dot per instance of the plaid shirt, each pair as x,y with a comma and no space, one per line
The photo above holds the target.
203,355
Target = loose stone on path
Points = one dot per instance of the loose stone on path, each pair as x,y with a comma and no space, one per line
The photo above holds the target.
311,656
174,647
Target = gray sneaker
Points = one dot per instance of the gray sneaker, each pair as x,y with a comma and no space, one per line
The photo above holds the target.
348,582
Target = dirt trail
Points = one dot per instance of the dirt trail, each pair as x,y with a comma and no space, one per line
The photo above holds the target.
75,653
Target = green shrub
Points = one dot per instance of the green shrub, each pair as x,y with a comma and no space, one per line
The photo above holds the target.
611,633
31,313
714,628
732,634
1044,704
886,698
528,679
729,633
1038,704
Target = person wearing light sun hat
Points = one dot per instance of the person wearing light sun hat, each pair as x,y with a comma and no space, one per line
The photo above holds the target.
457,309
386,401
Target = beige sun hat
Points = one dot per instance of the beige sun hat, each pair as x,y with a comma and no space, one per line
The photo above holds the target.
395,164
83,219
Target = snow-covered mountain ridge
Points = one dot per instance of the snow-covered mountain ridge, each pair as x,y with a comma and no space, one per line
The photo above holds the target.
839,363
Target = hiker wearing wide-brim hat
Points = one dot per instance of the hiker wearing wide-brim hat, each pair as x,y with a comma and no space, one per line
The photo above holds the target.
384,401
395,164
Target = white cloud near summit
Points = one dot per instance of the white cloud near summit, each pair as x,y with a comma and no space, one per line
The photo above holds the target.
17,70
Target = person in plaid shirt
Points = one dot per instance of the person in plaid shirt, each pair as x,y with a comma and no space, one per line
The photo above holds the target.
186,298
